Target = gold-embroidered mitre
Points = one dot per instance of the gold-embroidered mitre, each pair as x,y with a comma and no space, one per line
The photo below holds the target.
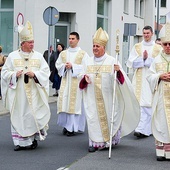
101,37
165,33
25,33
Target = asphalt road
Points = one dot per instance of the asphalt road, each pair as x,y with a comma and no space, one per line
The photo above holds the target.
60,152
55,152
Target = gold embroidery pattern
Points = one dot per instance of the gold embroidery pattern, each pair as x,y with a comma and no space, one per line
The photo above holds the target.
18,62
79,57
101,108
103,69
156,50
73,94
28,91
64,56
27,64
74,83
60,101
34,63
166,91
63,83
161,67
138,48
138,83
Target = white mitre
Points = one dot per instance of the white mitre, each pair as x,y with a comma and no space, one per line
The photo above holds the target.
26,33
164,33
101,37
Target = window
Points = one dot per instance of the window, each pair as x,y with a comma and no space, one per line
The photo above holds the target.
126,6
139,8
162,19
6,25
64,17
136,7
102,14
163,3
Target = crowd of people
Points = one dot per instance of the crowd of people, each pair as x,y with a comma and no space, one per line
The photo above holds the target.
90,89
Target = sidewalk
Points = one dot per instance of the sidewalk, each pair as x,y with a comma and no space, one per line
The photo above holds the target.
52,99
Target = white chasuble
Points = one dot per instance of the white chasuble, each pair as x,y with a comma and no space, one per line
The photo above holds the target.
161,99
27,102
98,100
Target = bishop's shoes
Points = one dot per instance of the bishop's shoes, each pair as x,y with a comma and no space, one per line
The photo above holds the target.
33,146
67,133
139,135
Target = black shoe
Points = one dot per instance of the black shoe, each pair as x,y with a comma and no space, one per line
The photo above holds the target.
139,135
92,149
65,131
70,133
161,158
19,148
34,144
56,94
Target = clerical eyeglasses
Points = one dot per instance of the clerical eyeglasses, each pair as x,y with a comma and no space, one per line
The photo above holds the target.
165,44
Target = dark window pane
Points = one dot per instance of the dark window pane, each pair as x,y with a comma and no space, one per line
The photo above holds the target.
7,3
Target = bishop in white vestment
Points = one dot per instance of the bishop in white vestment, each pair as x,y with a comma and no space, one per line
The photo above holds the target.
97,85
25,90
159,80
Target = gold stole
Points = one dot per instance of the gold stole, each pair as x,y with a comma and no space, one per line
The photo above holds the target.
99,97
155,52
26,64
164,67
74,83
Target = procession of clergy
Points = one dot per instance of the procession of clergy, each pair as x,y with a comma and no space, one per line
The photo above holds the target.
94,90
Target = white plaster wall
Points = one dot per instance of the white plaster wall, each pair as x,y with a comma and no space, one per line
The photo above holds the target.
33,11
85,20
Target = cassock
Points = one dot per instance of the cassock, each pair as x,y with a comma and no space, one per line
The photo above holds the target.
161,105
98,102
26,98
139,82
69,105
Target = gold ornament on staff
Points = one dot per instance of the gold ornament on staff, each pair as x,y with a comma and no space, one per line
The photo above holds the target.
114,93
117,42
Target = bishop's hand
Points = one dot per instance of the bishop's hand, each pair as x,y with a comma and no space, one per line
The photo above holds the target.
165,77
116,67
19,73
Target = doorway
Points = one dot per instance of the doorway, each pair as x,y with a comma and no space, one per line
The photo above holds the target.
61,33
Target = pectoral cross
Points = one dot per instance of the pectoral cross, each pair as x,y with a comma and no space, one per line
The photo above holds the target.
96,74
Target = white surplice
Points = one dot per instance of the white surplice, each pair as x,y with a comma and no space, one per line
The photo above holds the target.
139,82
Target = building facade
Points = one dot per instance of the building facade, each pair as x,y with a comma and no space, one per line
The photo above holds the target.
83,16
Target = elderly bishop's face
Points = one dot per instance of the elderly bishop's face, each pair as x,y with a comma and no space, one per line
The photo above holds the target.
166,47
27,46
98,50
